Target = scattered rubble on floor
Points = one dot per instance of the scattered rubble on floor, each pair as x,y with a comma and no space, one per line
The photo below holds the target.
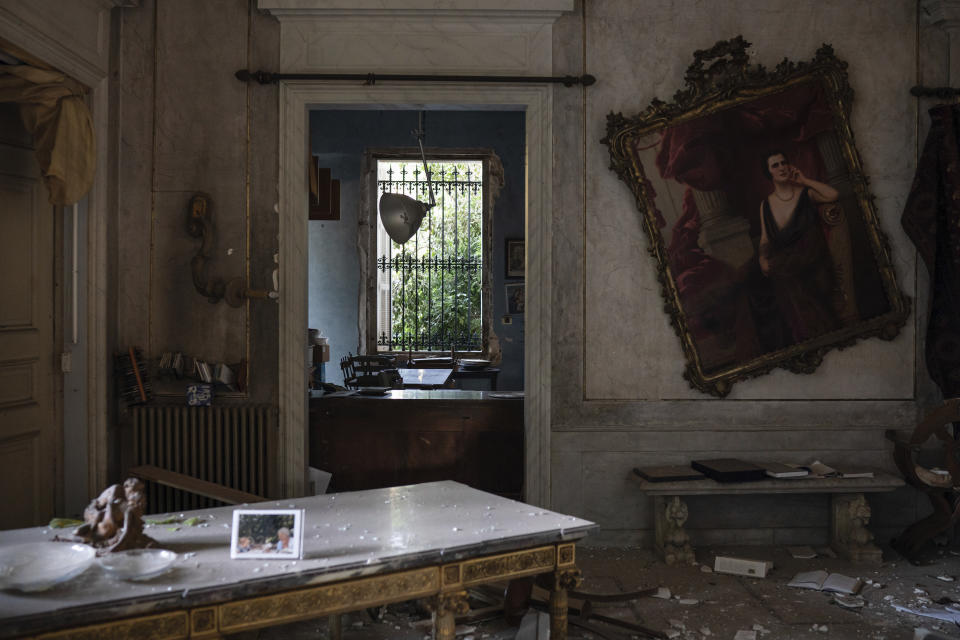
662,593
922,633
849,602
893,601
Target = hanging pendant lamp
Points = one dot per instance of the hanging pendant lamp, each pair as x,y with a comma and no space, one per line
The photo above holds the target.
402,215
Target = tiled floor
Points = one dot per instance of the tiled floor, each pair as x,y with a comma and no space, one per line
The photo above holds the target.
724,604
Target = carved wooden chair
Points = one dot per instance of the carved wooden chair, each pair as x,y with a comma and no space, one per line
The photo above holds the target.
368,371
940,488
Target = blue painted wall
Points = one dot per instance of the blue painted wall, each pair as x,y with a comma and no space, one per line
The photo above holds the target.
340,138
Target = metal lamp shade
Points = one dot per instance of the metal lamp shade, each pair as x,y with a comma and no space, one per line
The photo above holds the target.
401,216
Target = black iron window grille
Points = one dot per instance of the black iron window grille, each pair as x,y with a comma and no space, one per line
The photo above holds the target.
429,288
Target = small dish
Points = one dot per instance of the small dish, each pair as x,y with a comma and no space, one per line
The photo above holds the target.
138,564
37,566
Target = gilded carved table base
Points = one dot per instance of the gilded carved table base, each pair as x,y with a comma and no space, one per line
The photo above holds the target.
446,607
563,581
443,587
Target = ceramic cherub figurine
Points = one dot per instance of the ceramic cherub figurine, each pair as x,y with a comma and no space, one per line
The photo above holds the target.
114,520
676,542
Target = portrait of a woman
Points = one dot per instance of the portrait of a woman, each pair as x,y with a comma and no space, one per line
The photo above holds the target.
793,252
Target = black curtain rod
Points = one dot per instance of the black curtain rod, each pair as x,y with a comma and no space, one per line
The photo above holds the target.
934,92
266,77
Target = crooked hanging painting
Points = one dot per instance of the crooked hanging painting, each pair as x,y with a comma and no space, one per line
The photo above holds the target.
761,226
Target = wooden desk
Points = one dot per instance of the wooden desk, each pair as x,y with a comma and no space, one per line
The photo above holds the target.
362,549
419,436
424,378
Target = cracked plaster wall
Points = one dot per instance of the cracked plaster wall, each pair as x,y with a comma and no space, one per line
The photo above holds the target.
619,398
184,126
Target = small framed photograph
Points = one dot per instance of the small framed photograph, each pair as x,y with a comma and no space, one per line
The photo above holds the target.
267,533
515,257
515,301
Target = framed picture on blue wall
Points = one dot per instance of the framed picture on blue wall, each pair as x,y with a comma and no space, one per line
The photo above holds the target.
515,298
515,257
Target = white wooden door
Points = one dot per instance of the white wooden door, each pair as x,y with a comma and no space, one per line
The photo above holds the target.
29,386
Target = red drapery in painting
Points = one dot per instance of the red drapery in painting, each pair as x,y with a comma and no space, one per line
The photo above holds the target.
724,151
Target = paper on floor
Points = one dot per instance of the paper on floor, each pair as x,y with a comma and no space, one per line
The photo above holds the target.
946,613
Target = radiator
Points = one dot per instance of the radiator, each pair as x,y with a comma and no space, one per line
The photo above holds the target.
231,446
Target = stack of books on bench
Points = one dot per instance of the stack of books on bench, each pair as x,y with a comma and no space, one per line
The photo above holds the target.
736,470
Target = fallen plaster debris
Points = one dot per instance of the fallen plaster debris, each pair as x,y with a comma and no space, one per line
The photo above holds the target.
945,613
535,624
671,633
662,593
802,553
706,568
762,630
742,566
745,634
922,633
705,631
688,601
850,602
945,578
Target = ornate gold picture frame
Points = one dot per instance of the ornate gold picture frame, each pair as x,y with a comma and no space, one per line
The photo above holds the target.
764,234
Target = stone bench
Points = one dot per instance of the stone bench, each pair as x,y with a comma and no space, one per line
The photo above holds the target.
849,516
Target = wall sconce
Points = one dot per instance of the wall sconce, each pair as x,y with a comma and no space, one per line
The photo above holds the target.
234,291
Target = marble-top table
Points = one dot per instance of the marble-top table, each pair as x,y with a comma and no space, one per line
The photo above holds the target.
361,549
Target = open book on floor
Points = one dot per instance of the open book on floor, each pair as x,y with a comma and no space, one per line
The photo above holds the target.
823,581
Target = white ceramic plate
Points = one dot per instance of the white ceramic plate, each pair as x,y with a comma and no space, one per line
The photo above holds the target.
37,566
138,564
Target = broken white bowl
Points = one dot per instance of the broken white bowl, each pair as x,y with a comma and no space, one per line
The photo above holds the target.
37,566
138,564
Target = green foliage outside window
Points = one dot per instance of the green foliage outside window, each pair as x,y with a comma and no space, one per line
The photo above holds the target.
436,292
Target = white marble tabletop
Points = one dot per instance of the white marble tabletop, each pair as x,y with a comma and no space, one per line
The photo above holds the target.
425,378
345,535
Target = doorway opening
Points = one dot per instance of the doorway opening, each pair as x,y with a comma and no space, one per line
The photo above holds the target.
297,99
